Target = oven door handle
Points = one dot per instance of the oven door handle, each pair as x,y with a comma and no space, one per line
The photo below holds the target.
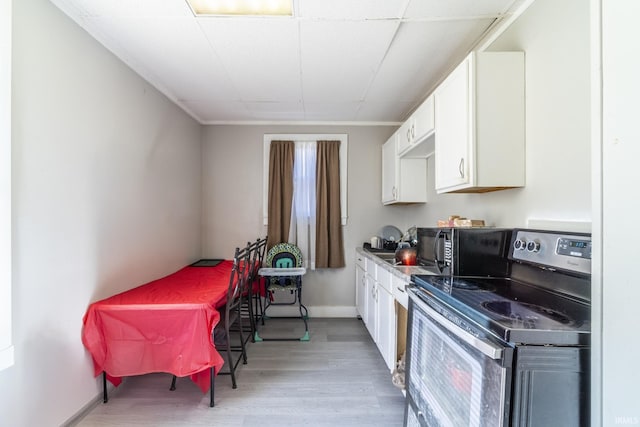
487,348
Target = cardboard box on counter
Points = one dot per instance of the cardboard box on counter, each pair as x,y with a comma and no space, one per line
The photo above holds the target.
456,221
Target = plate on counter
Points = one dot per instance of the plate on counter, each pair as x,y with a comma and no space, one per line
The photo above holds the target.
391,233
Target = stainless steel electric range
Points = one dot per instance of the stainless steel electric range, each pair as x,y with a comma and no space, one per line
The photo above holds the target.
509,350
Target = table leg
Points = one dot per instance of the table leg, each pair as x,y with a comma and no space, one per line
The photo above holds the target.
211,388
105,398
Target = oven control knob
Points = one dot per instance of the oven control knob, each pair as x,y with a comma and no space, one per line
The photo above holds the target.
519,245
533,246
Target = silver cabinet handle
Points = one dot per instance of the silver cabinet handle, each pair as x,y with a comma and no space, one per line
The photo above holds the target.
461,167
401,290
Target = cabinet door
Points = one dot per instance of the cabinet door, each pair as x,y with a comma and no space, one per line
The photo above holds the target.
372,307
389,170
361,292
453,160
399,287
423,120
405,134
386,327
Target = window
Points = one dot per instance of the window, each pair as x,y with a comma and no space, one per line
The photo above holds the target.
305,137
311,221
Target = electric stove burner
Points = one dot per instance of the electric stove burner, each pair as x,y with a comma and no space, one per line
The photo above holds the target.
514,311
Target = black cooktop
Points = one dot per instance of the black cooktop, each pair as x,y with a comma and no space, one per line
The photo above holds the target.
513,311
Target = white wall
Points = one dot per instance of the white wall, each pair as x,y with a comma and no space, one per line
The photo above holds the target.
618,292
106,196
6,346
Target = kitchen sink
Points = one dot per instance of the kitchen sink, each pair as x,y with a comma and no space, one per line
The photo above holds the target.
390,258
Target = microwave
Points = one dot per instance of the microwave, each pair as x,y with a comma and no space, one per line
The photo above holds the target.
464,251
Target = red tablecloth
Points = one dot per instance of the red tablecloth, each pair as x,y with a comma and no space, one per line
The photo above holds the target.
162,326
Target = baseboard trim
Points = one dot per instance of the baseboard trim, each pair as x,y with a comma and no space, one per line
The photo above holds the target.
97,400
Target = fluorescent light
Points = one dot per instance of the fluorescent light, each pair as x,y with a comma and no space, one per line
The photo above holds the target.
241,7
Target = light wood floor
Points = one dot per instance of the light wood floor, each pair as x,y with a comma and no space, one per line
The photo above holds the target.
336,379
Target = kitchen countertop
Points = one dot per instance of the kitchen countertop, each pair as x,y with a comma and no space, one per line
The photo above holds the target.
402,271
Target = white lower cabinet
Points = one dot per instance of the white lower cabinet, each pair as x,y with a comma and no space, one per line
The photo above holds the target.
371,319
361,286
386,327
375,303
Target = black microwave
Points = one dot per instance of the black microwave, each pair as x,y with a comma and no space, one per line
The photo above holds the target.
465,251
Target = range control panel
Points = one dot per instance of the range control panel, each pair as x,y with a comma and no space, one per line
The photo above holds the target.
553,249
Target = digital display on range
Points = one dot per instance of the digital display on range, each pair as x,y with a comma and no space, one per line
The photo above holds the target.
578,243
574,247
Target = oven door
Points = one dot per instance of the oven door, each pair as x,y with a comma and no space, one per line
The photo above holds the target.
456,375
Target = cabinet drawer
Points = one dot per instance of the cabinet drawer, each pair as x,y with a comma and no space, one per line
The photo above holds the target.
400,292
372,268
361,261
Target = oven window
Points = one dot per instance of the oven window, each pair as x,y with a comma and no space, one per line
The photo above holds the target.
452,383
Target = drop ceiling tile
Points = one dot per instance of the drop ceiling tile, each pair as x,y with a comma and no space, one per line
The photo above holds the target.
329,63
217,111
390,111
261,57
275,110
352,9
340,59
421,9
175,51
331,111
132,8
420,55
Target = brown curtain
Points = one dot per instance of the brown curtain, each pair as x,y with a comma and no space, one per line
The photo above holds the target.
329,246
281,155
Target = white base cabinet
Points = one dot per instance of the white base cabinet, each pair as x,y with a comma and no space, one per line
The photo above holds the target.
480,124
361,286
386,324
376,304
371,319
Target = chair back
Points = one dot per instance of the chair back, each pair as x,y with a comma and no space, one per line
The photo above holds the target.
239,279
284,255
256,256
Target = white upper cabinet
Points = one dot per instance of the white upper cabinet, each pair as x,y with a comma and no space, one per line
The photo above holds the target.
403,180
415,136
480,124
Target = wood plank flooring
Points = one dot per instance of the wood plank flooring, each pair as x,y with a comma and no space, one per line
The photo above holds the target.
336,379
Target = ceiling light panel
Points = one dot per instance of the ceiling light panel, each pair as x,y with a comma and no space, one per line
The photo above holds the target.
242,7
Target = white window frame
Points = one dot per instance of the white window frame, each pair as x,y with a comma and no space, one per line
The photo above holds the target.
344,150
6,346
